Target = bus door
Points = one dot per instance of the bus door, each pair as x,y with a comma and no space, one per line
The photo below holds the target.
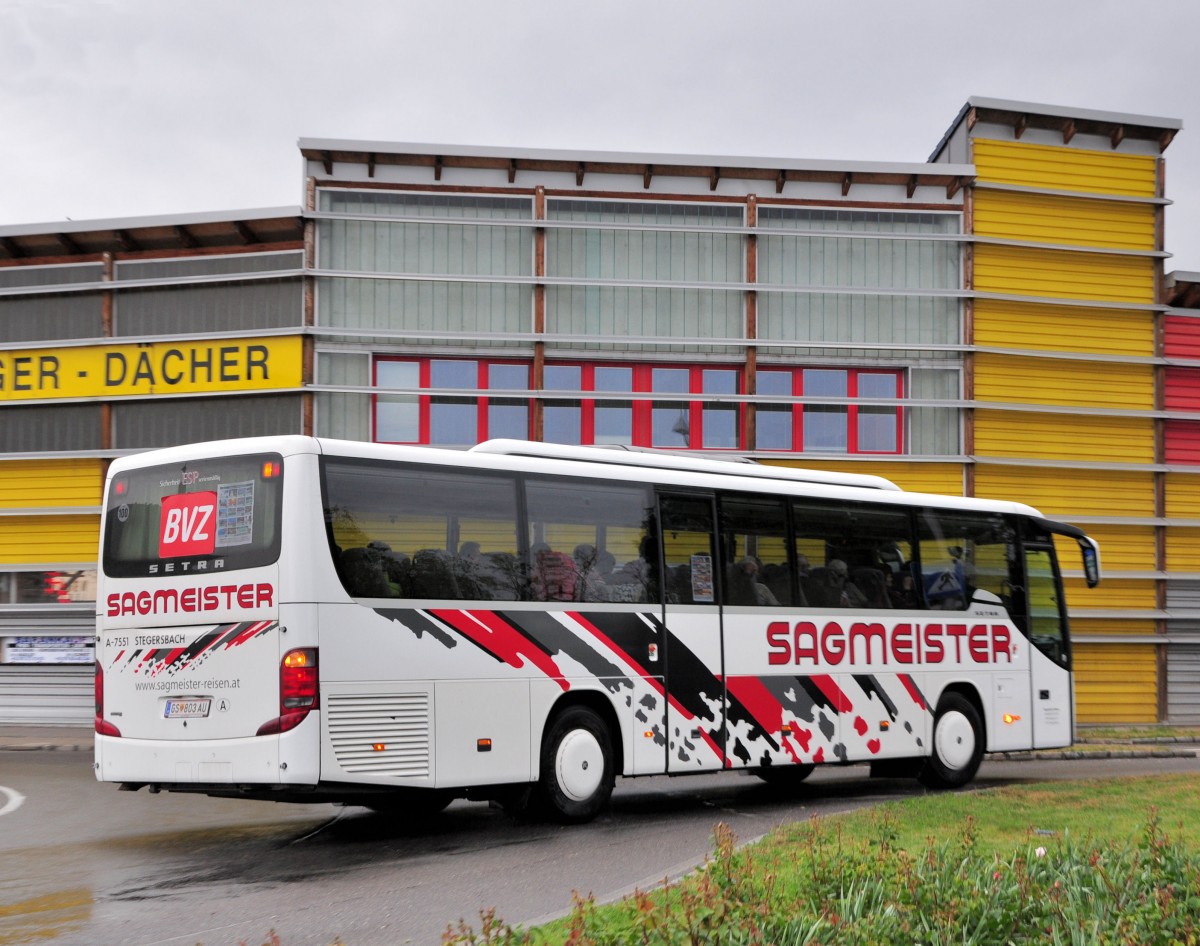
694,669
1050,665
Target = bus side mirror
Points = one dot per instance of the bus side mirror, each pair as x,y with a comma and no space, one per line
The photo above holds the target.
1091,562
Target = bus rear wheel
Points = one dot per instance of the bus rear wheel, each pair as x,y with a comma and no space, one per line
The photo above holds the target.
577,772
957,744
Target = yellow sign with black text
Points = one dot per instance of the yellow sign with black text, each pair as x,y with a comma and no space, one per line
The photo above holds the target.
152,368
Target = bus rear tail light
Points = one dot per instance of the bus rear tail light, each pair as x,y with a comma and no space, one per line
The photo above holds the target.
103,726
298,691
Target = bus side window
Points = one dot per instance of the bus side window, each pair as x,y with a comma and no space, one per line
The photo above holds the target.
964,552
757,565
580,530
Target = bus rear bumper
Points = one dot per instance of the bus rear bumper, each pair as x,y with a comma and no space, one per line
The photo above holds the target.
282,761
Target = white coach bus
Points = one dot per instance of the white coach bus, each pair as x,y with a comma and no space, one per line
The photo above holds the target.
300,619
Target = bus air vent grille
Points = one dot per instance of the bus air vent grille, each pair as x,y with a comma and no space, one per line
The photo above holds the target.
381,735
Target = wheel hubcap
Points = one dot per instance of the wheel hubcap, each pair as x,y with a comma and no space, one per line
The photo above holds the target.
955,740
579,765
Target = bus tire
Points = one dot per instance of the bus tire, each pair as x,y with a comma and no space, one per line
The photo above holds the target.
576,774
785,776
957,746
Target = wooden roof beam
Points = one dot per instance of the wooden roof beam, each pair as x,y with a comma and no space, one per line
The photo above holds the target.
580,170
11,248
185,238
126,241
327,161
244,232
1020,125
953,187
714,179
1118,135
437,167
912,186
1165,139
847,180
647,174
780,180
68,244
371,164
512,171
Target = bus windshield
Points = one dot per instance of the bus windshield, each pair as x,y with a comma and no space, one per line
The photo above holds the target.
205,515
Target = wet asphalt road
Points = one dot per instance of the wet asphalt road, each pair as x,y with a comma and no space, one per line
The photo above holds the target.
82,863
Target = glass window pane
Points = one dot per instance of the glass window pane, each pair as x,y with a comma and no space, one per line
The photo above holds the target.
453,374
877,425
407,532
453,421
508,418
508,377
397,417
563,378
757,566
773,427
773,422
613,420
877,431
850,556
961,552
825,426
562,422
589,542
670,420
720,420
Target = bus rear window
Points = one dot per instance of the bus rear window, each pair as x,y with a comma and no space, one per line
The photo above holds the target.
200,516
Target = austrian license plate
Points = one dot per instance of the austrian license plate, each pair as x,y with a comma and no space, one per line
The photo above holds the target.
187,709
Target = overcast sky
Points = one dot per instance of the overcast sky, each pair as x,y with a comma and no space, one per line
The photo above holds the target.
121,108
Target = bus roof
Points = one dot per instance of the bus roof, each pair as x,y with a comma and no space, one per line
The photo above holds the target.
668,460
594,461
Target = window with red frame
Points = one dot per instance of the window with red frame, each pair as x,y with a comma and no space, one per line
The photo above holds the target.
835,427
473,408
688,407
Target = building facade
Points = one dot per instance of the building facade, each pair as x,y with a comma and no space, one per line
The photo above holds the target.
994,322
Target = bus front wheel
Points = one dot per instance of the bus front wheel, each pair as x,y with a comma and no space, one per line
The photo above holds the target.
577,773
957,744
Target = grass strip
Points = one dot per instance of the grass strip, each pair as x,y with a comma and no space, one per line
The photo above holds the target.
1097,862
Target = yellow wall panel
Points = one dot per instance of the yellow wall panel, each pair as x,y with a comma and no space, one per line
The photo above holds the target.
1116,593
1000,323
1122,549
1063,436
1007,378
1023,271
1068,169
1183,496
1075,221
27,484
1115,683
1082,627
1062,493
943,478
1183,549
26,540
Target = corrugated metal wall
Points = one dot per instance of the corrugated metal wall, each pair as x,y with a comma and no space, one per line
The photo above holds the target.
1073,197
148,424
1124,332
49,518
